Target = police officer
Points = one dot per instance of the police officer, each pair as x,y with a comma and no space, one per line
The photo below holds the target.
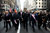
7,19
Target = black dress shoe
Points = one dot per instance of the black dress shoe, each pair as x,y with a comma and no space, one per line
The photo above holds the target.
4,26
46,29
16,29
39,28
33,30
6,30
27,30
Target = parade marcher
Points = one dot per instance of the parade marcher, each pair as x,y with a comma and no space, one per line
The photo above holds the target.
30,19
16,19
33,20
44,19
4,19
0,16
48,19
11,16
25,19
36,16
7,19
20,14
39,20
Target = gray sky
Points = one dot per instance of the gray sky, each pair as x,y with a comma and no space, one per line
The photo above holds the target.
22,3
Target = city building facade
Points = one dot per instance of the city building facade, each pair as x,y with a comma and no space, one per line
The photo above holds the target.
48,5
30,4
7,4
18,4
41,4
36,4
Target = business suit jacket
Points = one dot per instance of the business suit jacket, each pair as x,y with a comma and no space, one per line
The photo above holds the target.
25,16
20,16
16,17
0,16
7,17
32,19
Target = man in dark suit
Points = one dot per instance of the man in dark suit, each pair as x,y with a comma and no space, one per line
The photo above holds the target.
25,19
16,20
33,20
0,16
20,14
12,17
44,18
7,19
4,19
39,20
49,19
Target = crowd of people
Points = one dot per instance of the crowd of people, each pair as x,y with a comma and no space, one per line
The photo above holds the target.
33,17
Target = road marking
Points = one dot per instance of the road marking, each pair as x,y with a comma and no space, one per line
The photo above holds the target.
18,31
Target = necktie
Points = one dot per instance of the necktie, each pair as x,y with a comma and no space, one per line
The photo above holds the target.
21,13
6,14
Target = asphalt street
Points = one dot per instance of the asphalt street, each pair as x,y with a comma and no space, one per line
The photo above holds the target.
21,29
12,30
30,30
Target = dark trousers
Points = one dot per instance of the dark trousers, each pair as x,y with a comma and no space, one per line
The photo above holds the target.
8,22
21,23
29,22
39,24
20,20
13,22
44,25
0,19
16,25
33,24
25,25
4,24
49,24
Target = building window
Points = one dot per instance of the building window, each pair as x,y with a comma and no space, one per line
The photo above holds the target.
45,3
42,0
42,6
4,1
39,2
45,0
39,6
36,2
36,6
42,3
